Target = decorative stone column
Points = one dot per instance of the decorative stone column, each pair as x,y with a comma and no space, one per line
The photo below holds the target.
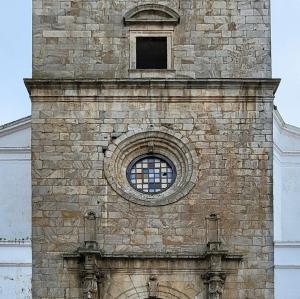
90,278
215,281
215,277
89,253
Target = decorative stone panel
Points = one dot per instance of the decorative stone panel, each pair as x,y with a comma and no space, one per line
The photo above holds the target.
156,140
151,14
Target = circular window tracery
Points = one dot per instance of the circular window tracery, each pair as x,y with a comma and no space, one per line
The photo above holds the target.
127,149
151,173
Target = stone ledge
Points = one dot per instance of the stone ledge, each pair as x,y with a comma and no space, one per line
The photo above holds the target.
145,256
151,73
152,89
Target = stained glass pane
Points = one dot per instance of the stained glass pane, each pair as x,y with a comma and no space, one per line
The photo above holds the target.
151,174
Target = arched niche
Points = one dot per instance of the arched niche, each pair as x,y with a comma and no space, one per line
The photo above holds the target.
165,292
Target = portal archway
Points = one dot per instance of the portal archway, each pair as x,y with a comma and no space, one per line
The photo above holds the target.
165,292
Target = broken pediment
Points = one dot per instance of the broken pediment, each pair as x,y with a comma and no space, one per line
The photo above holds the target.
151,14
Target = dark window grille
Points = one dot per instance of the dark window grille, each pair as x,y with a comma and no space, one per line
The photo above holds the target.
151,52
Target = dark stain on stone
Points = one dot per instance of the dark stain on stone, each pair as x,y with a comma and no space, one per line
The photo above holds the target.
232,26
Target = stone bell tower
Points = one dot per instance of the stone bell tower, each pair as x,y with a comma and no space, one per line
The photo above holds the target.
152,149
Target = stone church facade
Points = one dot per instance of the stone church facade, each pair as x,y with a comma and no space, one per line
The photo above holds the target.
152,149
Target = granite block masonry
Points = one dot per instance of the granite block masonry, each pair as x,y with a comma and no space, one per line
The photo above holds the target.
208,114
88,39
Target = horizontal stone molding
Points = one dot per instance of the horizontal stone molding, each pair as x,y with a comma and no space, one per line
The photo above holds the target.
15,150
15,126
287,267
283,127
21,243
287,244
15,265
153,90
284,152
139,256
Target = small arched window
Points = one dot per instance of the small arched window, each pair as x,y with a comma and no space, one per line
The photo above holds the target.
151,28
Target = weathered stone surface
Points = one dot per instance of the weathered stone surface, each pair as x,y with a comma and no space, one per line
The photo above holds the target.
93,236
214,39
229,123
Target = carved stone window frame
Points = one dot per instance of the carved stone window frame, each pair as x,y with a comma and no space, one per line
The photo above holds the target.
151,33
161,26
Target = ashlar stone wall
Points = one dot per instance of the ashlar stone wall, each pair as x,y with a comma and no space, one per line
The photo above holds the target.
214,38
228,126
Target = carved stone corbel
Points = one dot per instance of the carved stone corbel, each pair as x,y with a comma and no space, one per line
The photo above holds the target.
215,283
153,287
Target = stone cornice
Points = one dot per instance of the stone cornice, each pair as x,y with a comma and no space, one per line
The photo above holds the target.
285,152
15,126
15,150
287,244
145,256
284,127
15,265
152,89
15,243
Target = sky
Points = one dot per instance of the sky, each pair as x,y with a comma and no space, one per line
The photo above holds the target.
15,58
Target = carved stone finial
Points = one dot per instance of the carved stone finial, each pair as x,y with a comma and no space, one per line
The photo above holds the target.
212,228
90,230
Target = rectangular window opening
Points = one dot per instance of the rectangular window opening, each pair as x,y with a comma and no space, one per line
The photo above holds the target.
151,52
